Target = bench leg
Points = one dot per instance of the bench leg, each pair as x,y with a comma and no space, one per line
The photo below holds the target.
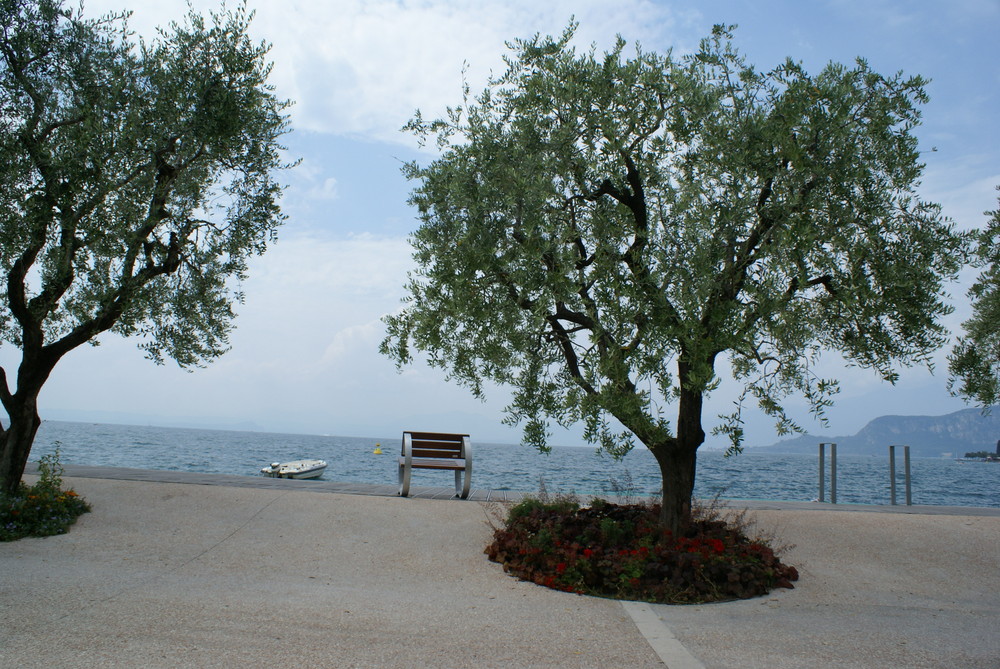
462,487
404,480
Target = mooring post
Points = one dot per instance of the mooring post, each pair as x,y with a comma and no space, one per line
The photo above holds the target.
906,475
892,475
833,472
906,459
822,472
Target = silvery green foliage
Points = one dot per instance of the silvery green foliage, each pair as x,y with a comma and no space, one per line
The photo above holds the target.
599,228
137,179
975,361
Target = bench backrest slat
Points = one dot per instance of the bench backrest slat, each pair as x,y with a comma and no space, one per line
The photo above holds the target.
436,445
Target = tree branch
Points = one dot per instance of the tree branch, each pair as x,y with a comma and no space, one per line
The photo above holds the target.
5,396
569,354
795,285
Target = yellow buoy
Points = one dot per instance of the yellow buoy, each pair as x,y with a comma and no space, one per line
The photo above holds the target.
378,449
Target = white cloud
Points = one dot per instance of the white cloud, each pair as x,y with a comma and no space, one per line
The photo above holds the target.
361,67
324,191
349,341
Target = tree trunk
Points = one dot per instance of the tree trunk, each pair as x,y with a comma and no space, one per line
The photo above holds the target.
677,469
22,410
678,458
16,441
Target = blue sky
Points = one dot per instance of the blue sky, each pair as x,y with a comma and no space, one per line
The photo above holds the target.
304,355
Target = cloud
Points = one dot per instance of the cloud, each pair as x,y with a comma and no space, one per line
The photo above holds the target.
348,341
361,67
317,295
325,190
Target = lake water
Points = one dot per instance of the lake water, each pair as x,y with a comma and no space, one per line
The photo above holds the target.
751,476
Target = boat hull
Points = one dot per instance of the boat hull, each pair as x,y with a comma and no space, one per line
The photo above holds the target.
297,469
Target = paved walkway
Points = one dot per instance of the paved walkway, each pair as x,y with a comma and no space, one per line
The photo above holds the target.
266,482
475,494
244,571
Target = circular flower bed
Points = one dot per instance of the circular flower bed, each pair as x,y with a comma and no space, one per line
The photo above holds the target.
621,551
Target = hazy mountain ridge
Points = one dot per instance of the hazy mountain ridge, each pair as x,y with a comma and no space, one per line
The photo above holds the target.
927,436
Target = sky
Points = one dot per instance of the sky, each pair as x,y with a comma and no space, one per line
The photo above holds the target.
304,355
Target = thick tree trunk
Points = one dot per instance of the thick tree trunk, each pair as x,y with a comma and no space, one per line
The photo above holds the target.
678,458
677,469
22,411
16,441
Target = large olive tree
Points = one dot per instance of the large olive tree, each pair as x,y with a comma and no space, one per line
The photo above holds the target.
136,179
599,229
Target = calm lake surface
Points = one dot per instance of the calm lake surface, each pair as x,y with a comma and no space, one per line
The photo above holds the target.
756,476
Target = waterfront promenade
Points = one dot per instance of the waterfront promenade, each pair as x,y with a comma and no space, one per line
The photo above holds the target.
176,569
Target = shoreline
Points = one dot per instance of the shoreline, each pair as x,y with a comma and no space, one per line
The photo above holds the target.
762,476
477,494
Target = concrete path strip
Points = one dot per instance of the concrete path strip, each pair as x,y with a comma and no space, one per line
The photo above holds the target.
660,638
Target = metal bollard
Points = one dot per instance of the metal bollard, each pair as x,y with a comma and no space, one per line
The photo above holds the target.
906,458
892,475
833,472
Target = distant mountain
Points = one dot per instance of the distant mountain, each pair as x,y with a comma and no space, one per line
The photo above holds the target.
927,436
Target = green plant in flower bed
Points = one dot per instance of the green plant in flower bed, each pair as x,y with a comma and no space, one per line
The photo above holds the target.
620,551
42,509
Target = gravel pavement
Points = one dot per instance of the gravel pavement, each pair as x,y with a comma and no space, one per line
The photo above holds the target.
171,574
177,575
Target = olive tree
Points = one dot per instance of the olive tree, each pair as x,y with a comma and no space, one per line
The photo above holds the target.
597,231
136,180
975,361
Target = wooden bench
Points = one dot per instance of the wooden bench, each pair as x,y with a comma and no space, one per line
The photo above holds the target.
434,450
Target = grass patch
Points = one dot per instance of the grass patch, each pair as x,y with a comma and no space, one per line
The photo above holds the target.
620,551
43,509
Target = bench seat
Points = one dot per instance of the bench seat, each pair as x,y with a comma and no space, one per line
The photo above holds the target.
435,463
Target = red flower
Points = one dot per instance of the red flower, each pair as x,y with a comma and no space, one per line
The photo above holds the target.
587,552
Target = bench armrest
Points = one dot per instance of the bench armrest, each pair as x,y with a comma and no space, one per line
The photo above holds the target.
467,482
406,465
408,449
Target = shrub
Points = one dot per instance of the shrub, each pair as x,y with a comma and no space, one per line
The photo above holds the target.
620,551
43,509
